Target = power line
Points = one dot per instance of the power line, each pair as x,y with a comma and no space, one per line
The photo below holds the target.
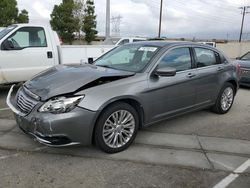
217,5
205,17
243,18
203,14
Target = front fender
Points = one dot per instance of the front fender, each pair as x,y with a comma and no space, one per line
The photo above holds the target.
120,98
97,98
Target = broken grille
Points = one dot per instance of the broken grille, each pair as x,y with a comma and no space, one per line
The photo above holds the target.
25,103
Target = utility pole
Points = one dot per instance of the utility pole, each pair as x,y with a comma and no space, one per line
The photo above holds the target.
159,33
243,18
107,34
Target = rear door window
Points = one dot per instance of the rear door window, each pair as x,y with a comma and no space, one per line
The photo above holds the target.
206,57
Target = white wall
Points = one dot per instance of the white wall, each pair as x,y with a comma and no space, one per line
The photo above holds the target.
234,49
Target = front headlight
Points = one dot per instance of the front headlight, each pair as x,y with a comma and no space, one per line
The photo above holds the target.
61,104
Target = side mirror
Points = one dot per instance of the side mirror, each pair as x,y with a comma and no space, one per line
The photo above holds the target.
165,71
90,60
7,45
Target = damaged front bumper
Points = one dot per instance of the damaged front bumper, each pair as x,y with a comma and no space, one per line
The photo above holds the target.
71,128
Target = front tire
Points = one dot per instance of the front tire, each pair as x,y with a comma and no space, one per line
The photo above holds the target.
116,127
225,99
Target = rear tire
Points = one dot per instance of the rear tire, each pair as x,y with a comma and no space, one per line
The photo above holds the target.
116,128
225,99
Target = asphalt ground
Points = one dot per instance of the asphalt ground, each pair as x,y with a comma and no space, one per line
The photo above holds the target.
201,149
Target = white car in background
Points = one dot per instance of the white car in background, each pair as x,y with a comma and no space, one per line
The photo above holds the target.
117,41
213,44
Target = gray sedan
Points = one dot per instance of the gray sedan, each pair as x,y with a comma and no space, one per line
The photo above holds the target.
244,62
130,87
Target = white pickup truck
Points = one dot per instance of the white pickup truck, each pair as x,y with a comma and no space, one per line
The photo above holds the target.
27,49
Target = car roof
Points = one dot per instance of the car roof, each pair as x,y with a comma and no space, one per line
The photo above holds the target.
171,43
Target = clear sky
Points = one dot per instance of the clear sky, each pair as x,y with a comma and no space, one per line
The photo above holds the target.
181,18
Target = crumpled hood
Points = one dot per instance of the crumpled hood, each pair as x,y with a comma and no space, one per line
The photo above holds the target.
243,64
64,79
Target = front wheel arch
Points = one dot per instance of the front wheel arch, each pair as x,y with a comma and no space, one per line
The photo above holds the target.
134,103
234,83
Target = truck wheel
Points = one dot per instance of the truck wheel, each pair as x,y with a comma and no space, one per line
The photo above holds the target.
225,99
116,127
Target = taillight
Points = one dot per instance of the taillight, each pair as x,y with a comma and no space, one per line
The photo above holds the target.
238,68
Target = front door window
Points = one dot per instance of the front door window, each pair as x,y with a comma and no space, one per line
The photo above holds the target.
178,58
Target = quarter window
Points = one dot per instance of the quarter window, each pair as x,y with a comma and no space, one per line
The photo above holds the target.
223,59
29,37
206,57
178,58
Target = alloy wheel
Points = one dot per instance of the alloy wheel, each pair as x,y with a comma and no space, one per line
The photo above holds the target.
118,128
227,98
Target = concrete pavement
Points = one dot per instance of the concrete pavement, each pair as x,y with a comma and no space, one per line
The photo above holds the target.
149,147
30,169
162,160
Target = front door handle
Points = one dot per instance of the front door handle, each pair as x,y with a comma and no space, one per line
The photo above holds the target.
49,54
191,75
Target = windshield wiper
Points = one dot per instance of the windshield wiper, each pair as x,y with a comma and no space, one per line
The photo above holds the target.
110,67
106,66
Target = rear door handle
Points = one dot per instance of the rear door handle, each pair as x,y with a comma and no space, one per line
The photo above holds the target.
191,75
220,68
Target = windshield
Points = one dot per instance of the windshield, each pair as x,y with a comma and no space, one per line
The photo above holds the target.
246,56
6,31
130,57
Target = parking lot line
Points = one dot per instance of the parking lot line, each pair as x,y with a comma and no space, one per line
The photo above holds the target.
18,154
8,156
231,177
40,148
3,109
